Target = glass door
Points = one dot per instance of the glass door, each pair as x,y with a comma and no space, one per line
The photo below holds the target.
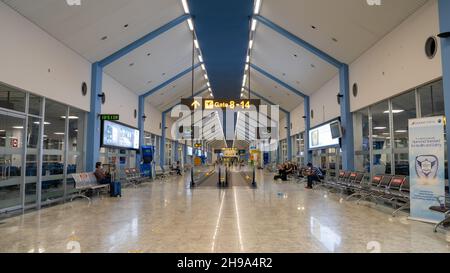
11,161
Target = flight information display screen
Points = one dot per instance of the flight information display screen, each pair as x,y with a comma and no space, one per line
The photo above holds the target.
119,136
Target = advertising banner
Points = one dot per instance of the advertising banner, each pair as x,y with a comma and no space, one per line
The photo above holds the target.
427,167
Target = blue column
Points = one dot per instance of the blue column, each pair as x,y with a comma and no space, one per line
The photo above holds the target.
93,130
278,152
176,151
444,22
307,119
141,127
185,153
347,120
288,134
162,150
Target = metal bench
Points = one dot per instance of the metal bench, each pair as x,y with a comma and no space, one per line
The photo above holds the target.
85,182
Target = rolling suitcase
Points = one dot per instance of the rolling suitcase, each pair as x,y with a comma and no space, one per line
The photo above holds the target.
116,189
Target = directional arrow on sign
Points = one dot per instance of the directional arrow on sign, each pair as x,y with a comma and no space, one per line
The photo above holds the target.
196,104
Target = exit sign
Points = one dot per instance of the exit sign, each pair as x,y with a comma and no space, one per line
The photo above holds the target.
112,117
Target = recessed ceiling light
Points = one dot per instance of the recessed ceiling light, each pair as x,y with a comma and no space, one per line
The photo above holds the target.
104,38
295,56
125,26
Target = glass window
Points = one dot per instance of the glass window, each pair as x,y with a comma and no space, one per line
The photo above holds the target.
381,138
12,99
53,158
75,162
34,105
11,149
432,99
361,136
403,109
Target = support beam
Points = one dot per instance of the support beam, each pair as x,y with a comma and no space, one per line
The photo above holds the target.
307,119
164,84
444,22
93,132
348,150
314,50
162,149
280,82
288,136
141,127
140,42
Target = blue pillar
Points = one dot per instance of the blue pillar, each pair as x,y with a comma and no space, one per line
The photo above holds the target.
176,151
162,150
347,120
444,22
307,119
93,131
278,152
288,134
185,153
141,127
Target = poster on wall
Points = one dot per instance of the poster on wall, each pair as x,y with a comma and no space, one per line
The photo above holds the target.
427,167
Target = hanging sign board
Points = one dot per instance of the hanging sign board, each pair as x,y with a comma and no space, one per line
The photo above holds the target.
427,168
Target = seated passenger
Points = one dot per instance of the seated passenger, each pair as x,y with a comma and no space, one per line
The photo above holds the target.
102,177
282,174
314,174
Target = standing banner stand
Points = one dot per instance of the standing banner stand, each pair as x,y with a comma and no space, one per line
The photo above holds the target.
427,168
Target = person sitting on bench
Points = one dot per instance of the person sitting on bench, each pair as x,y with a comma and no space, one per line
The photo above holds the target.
313,174
282,174
102,177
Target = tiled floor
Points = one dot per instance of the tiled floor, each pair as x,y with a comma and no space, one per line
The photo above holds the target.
169,217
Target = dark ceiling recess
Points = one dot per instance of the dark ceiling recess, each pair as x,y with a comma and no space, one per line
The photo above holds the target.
222,29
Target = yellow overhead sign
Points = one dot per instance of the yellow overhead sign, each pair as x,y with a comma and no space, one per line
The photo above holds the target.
229,104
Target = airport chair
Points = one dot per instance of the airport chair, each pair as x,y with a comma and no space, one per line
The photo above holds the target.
376,180
403,197
358,187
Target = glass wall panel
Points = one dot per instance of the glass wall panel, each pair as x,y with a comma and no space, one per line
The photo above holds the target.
11,150
34,105
361,136
12,99
403,109
381,138
54,146
32,160
432,99
75,153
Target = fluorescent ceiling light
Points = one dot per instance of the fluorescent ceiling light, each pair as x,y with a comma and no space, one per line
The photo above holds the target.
17,127
196,44
401,131
185,6
59,134
208,84
246,67
379,128
254,22
209,89
245,80
394,111
2,131
70,117
206,76
45,123
250,45
200,58
203,67
248,59
191,25
257,7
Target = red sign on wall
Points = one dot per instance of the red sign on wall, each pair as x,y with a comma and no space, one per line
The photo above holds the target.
14,143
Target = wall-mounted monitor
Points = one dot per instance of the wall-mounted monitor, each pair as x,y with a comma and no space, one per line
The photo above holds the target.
322,137
336,129
116,135
189,151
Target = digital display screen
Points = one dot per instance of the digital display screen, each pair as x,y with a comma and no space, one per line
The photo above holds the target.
189,151
321,137
120,136
336,131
